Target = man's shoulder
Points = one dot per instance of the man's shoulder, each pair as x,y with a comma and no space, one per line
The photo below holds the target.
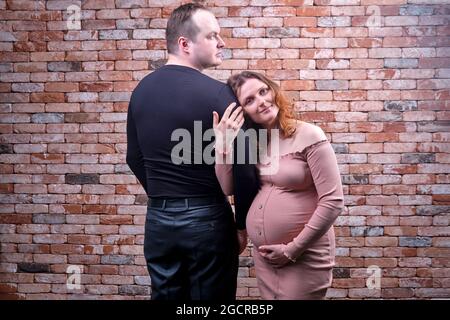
214,83
214,87
148,77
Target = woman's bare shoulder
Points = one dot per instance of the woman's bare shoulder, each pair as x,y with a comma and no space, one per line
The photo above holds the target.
308,132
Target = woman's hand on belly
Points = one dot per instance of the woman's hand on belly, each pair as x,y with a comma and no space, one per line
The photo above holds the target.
274,254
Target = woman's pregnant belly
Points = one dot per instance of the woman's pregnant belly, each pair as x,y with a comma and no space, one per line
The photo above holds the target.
277,216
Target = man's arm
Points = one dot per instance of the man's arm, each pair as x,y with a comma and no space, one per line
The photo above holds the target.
135,159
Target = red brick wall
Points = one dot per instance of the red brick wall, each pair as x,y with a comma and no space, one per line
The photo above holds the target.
374,74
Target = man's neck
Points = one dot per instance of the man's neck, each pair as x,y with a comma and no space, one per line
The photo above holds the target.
174,60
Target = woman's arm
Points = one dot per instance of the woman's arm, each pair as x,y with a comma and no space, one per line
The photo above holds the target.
327,180
225,132
224,172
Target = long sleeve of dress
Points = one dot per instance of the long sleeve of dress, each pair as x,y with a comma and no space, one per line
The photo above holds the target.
324,170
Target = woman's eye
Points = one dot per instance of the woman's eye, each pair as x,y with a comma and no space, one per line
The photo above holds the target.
248,101
263,91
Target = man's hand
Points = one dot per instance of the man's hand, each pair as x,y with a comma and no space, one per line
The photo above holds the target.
242,238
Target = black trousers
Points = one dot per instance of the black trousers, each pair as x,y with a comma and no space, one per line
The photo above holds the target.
191,249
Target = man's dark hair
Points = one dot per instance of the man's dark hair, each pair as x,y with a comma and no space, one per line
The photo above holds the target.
181,24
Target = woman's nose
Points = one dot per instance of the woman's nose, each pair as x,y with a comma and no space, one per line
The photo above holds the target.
261,101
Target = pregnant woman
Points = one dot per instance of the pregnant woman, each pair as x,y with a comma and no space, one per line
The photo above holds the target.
290,222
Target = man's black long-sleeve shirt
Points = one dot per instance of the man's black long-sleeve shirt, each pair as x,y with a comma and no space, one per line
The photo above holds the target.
163,112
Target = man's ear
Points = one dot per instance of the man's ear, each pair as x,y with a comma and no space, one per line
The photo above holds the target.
183,44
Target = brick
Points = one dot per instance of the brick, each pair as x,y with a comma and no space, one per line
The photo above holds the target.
351,117
244,11
33,288
366,84
233,22
82,56
334,22
415,241
309,22
316,53
332,106
401,20
400,42
315,74
366,106
399,84
398,189
297,43
282,32
350,74
433,62
364,189
400,63
355,179
117,259
97,24
418,158
82,178
282,54
316,11
367,252
415,200
15,77
47,118
331,43
400,105
414,10
333,64
384,179
6,148
28,46
399,168
434,126
48,218
33,267
316,32
427,116
317,96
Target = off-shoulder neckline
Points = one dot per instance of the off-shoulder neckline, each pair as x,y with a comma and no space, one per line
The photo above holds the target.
304,150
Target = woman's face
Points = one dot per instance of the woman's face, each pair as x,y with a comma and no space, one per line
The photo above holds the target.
256,98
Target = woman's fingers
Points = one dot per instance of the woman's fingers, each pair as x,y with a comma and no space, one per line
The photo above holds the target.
228,110
236,113
236,123
241,122
230,115
215,119
231,119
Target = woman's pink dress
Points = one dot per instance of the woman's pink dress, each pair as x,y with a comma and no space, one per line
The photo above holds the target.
296,206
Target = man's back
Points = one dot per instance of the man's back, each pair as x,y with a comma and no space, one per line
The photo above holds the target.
172,98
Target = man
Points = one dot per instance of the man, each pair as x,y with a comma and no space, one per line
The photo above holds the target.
190,236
